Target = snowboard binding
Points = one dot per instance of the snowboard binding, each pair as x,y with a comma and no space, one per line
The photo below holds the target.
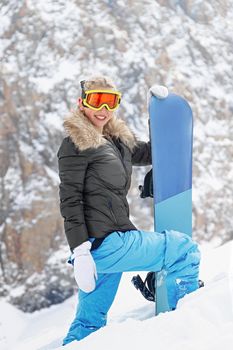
147,288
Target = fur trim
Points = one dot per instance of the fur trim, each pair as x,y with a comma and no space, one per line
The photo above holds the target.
85,135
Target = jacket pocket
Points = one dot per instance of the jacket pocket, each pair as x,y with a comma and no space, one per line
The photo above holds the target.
112,212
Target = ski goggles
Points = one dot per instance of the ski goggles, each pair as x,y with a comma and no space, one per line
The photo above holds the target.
97,99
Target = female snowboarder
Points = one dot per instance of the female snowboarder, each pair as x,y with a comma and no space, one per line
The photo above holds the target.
95,166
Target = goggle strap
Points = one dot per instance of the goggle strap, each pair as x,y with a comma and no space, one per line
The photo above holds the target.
82,83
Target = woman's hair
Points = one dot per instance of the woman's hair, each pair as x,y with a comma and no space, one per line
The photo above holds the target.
99,82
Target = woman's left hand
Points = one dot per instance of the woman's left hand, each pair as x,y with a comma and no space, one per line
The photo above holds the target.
159,91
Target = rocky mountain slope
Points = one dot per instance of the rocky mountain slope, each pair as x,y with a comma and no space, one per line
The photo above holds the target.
46,48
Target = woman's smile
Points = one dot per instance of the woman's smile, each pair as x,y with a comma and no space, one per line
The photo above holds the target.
100,117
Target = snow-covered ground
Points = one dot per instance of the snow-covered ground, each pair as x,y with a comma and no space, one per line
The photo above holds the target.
203,320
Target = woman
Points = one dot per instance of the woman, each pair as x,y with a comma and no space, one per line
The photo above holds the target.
95,166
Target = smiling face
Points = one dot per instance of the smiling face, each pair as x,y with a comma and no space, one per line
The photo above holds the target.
98,118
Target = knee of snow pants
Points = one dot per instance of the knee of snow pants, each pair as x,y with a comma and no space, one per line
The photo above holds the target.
181,266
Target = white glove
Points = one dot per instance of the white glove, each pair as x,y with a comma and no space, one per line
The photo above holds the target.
159,91
84,267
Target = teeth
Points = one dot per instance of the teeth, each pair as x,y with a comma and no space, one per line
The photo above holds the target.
100,117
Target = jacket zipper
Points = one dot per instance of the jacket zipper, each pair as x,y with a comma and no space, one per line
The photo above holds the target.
121,158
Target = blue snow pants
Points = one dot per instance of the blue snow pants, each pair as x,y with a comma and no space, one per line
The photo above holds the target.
173,252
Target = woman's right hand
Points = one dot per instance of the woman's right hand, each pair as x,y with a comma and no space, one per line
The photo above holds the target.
159,91
84,268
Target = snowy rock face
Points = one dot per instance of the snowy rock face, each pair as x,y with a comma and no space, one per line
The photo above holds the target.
46,48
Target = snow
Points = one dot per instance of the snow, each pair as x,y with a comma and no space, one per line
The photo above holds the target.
17,292
203,320
65,70
53,175
53,121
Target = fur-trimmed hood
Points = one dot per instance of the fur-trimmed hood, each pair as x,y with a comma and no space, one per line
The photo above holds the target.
84,134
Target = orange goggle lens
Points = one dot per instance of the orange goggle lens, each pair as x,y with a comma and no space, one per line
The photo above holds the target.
97,99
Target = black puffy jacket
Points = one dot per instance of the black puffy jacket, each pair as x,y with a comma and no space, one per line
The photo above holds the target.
95,173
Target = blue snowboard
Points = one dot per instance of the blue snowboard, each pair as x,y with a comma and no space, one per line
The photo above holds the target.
171,133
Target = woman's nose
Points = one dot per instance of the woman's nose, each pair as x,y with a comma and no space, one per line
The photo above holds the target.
104,109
